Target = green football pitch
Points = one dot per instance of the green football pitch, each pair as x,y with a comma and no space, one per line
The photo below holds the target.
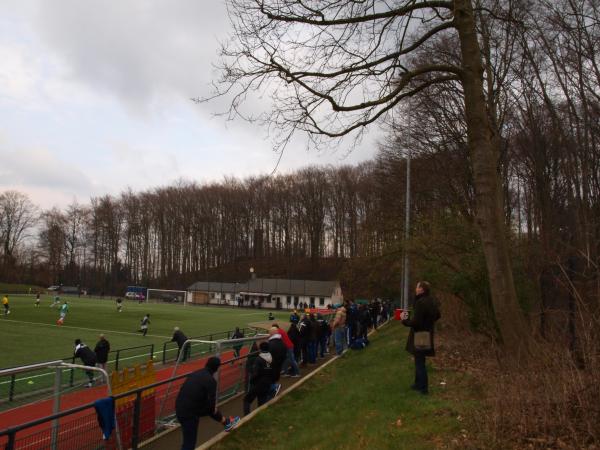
30,334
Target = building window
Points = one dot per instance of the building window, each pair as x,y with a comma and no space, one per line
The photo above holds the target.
212,295
322,301
312,300
289,299
296,300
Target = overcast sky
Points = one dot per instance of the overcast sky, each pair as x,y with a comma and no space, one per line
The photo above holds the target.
95,98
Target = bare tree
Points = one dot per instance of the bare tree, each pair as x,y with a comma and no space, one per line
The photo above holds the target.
334,67
17,216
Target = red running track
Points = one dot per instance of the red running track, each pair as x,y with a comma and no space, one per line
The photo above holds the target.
229,376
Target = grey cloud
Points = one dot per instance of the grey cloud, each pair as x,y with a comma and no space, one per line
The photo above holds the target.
39,168
139,51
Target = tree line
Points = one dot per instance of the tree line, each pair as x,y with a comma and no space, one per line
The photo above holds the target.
541,84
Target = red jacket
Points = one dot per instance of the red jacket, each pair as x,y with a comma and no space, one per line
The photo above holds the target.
286,339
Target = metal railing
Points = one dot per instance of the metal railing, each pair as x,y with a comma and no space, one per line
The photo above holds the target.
23,388
170,350
137,419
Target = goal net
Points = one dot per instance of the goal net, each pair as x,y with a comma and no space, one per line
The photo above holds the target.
165,296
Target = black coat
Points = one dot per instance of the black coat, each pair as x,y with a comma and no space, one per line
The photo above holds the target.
305,327
278,351
101,350
425,314
179,337
261,375
197,396
87,356
294,334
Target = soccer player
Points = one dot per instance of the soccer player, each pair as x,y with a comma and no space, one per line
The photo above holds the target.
37,299
5,304
119,304
144,324
64,309
56,301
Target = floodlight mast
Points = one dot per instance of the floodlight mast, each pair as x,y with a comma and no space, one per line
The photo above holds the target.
407,220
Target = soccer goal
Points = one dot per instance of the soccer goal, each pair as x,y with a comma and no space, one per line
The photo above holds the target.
165,296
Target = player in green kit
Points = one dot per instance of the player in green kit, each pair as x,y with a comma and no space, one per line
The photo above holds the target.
64,309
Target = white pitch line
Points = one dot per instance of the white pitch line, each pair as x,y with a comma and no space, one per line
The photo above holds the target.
252,314
83,328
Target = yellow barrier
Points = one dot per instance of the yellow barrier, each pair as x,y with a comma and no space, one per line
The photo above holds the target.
133,378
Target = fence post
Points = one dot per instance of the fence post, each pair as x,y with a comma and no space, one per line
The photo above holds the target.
135,428
117,360
164,359
152,351
11,391
218,355
72,373
10,445
56,407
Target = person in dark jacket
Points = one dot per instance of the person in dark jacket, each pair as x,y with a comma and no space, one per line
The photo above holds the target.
261,378
426,313
197,398
179,338
304,329
237,347
252,355
294,335
364,318
352,321
313,339
101,350
88,358
278,351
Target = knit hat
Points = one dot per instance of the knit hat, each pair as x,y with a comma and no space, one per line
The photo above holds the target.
213,364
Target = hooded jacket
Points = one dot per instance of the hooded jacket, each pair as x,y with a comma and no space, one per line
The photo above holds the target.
278,351
87,356
261,375
197,396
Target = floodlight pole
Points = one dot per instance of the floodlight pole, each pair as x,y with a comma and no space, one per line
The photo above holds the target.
407,221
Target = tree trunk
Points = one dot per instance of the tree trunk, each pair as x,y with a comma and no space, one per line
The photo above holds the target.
490,218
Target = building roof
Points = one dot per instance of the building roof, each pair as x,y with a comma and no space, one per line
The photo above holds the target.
271,286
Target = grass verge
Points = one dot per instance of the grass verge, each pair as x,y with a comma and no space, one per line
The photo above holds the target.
363,401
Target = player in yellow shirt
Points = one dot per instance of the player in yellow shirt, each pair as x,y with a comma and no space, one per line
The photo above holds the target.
5,304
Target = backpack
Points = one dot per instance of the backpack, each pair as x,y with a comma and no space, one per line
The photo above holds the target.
358,344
